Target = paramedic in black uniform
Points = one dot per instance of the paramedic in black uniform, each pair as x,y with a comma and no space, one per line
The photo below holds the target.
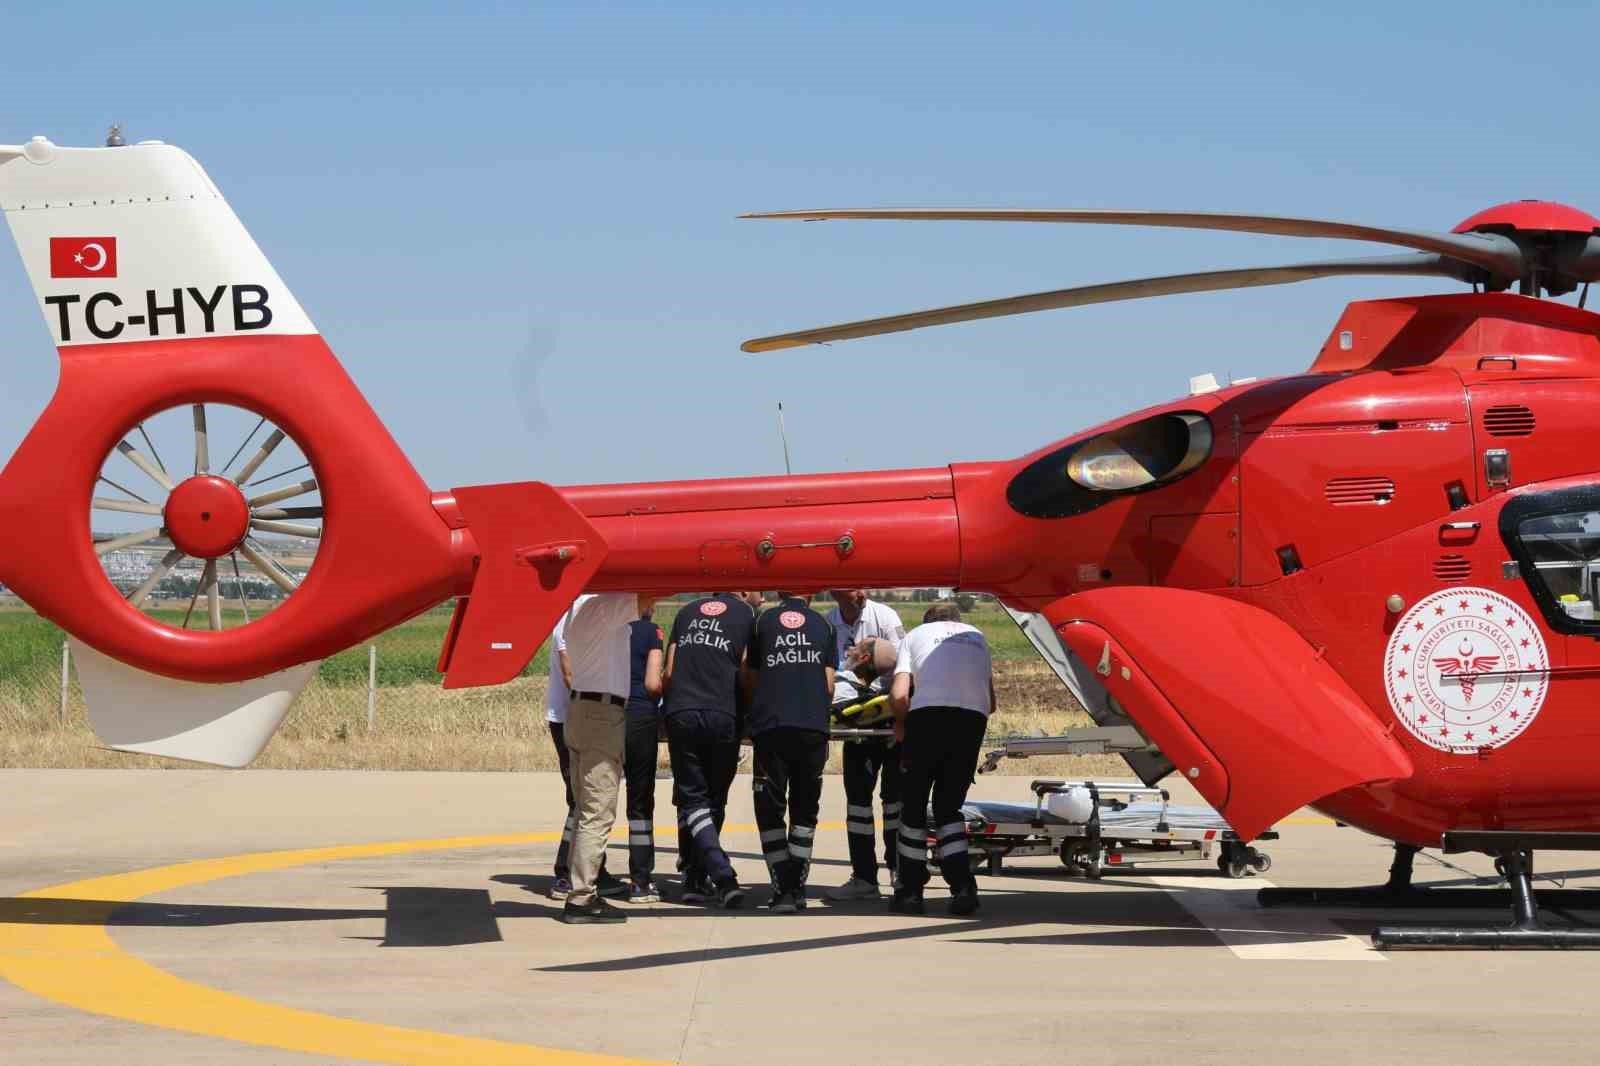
789,673
641,748
704,656
943,694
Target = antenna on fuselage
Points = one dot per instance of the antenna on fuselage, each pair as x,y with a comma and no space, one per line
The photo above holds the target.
785,438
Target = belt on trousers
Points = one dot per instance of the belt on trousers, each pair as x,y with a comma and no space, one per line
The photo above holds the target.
599,697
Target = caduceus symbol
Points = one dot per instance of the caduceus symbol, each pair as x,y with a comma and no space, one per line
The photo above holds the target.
1466,667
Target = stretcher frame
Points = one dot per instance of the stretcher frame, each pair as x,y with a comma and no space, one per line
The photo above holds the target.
1155,831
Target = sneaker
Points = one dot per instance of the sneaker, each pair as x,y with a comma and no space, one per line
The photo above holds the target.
596,912
643,894
695,890
611,886
907,901
964,900
782,903
730,896
855,888
560,888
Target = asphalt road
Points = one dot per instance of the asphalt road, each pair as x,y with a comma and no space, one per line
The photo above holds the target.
263,916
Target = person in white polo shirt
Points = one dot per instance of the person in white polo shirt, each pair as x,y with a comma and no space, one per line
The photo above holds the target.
942,696
597,645
868,634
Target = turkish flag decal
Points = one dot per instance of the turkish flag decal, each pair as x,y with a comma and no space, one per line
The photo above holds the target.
83,257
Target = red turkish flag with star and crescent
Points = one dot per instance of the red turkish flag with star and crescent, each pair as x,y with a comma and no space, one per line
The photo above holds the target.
83,257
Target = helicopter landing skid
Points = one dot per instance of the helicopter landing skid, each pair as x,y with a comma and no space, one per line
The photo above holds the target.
1514,861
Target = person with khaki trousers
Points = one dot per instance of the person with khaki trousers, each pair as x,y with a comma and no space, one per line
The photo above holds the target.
597,650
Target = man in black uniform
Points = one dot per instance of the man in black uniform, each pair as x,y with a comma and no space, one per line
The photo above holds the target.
641,748
789,672
704,656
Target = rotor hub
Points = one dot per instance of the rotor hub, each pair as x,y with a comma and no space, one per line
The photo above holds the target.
207,516
1530,216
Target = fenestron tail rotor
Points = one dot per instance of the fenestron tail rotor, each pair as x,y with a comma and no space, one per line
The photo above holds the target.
218,548
1541,247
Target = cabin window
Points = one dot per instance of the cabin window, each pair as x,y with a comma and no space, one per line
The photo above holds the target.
1556,540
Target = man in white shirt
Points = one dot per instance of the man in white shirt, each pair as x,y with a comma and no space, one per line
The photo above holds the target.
942,696
557,696
868,635
597,646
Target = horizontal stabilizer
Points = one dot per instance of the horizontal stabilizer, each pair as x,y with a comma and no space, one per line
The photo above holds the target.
535,554
225,725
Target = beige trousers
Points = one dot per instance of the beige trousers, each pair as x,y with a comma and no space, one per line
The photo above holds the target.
596,734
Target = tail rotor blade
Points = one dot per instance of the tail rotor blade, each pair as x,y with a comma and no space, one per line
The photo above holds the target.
1208,281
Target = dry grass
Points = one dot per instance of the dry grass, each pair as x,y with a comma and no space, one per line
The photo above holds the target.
423,727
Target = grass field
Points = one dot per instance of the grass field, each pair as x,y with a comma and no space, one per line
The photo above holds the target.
419,726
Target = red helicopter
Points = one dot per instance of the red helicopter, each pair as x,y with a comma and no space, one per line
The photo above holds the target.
1370,587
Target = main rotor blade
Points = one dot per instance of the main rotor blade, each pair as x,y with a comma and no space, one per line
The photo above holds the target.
1496,254
1209,281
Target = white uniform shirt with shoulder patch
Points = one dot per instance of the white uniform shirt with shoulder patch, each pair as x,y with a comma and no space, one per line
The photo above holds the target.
950,666
597,643
557,697
876,620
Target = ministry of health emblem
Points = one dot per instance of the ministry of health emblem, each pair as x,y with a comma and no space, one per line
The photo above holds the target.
1466,669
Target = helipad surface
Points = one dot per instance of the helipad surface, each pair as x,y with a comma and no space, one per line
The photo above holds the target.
217,917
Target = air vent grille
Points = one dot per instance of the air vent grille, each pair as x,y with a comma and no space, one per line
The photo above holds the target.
1452,568
1351,491
1508,420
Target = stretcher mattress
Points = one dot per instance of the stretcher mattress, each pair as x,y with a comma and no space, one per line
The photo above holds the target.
1135,816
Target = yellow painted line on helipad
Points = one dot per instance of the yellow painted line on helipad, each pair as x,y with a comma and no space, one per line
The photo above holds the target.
81,966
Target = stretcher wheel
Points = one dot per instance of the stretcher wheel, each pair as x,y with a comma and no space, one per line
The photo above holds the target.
1232,864
1083,858
1259,861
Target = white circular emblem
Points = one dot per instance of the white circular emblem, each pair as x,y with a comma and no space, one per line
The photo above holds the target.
792,619
1466,669
713,607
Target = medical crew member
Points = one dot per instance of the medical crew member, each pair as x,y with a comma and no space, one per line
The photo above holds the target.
859,624
641,748
597,649
943,694
704,655
790,670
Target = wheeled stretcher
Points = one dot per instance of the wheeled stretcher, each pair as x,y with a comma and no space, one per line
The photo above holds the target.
1096,825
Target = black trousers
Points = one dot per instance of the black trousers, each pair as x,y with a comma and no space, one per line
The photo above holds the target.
788,776
558,736
941,756
869,763
641,748
704,747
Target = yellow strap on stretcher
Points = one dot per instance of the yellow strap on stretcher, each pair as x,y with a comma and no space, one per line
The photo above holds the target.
867,712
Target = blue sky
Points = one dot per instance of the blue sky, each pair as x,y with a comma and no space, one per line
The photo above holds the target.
516,225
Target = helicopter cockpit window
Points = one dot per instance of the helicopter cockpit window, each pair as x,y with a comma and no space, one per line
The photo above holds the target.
1555,538
1565,551
1084,475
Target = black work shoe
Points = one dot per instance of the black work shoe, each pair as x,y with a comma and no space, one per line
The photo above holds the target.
782,903
730,896
610,886
596,912
799,897
694,890
964,900
906,901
